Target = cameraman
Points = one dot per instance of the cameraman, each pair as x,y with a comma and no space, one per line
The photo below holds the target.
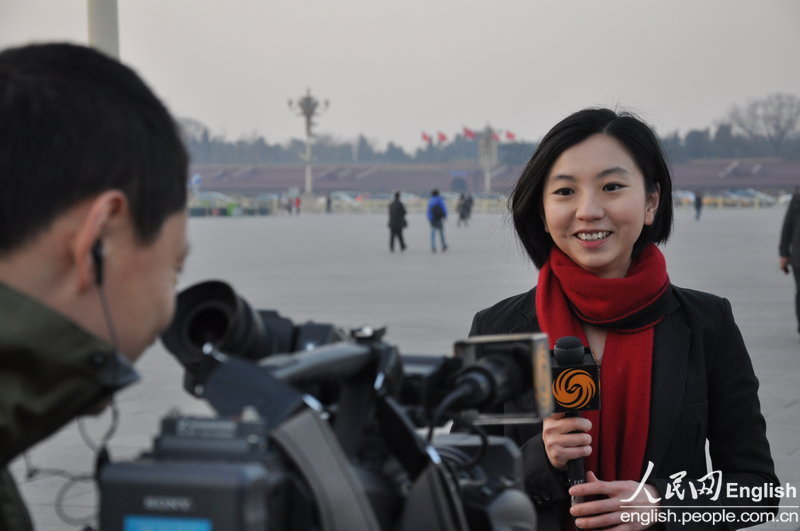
92,238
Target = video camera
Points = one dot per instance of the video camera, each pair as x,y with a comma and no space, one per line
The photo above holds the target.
323,430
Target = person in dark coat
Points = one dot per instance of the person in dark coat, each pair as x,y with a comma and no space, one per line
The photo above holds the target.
674,371
461,208
468,202
698,205
789,248
397,222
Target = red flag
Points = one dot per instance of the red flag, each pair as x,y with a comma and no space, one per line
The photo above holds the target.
496,137
469,134
441,137
510,136
426,137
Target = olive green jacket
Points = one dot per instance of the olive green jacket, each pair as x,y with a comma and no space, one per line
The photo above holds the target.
51,371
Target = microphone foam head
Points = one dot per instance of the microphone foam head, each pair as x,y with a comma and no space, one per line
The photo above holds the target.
568,350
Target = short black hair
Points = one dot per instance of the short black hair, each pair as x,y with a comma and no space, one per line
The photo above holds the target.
435,192
638,139
75,123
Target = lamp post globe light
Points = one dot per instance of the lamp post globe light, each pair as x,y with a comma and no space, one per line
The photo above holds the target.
308,107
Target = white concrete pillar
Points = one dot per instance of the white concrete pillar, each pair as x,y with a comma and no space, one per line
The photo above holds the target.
104,26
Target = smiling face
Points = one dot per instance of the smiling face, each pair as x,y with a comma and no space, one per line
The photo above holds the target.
595,205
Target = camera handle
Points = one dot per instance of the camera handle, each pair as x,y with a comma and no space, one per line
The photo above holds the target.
313,448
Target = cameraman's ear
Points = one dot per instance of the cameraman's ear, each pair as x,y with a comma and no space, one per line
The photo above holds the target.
102,214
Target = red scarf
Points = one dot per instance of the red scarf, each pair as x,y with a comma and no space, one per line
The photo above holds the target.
629,308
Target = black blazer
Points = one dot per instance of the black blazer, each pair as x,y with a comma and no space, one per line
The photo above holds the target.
703,388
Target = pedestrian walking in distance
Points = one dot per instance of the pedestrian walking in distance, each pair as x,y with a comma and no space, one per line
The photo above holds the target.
789,249
698,205
437,214
397,222
461,208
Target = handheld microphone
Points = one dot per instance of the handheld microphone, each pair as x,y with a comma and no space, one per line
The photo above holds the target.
576,387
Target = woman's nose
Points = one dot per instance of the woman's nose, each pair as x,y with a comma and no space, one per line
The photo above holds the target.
589,207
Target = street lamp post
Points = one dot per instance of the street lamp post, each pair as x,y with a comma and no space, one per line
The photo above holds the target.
308,107
103,26
487,153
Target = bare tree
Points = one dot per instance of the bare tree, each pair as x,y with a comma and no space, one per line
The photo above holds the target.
191,128
772,119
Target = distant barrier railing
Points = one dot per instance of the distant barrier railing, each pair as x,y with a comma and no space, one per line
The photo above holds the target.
249,207
727,202
244,206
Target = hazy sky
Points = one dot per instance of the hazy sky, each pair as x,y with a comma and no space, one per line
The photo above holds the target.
392,69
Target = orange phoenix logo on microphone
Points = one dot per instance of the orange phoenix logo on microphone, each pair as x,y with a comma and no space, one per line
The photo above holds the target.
574,389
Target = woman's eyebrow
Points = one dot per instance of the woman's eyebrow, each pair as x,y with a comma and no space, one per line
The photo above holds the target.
611,171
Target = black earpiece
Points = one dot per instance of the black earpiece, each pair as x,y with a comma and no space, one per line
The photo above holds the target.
97,258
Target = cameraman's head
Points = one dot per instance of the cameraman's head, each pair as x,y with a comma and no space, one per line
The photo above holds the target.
93,179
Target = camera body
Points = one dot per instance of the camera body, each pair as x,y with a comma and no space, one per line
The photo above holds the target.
203,474
217,474
329,437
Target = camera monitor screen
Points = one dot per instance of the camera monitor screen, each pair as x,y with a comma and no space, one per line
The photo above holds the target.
160,523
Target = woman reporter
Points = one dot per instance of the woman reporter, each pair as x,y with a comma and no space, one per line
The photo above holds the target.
589,208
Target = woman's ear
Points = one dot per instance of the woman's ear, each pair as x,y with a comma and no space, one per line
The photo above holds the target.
651,205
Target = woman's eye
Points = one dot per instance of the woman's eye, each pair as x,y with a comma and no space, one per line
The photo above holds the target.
610,187
563,191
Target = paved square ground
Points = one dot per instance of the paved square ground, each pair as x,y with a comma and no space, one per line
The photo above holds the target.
338,269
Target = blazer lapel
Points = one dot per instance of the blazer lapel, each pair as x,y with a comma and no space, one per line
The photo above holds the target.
526,319
521,317
670,363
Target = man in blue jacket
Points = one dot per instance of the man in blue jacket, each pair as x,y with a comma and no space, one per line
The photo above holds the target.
437,214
